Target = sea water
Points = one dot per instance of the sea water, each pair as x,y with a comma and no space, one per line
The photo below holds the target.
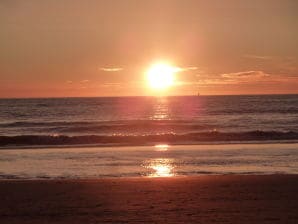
148,120
163,136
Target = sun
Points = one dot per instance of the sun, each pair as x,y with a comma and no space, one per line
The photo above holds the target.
161,76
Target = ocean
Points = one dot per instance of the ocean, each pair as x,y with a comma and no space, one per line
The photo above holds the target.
148,136
148,120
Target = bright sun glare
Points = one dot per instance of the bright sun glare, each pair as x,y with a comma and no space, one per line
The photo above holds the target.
161,76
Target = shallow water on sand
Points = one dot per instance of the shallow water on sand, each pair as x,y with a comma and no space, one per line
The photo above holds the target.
149,161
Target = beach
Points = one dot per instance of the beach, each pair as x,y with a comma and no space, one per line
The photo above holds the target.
220,183
184,159
200,199
148,112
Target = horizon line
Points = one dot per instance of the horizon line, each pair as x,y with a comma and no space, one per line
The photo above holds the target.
157,96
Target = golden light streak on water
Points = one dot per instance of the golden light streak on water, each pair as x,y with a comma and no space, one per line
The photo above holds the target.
161,147
160,167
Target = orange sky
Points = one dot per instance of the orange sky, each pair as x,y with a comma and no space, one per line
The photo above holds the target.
57,48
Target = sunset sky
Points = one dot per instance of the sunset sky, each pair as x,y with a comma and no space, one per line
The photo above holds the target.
59,48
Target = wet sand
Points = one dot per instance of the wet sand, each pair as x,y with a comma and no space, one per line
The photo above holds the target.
204,199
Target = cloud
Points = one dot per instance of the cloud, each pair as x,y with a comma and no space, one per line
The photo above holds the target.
227,78
246,74
69,82
111,69
183,69
112,84
84,81
277,64
209,81
258,57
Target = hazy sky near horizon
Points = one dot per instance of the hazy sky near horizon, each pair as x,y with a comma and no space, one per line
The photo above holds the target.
56,48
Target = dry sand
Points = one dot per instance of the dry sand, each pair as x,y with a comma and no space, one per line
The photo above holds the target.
205,199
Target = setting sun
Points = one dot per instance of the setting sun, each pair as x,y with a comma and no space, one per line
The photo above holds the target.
161,76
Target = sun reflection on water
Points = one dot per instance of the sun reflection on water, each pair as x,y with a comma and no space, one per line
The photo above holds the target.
161,147
161,109
159,167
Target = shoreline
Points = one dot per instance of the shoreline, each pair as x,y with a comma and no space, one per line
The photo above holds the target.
201,199
139,178
152,161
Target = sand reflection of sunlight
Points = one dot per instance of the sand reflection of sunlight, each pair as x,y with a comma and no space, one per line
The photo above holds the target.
160,167
162,170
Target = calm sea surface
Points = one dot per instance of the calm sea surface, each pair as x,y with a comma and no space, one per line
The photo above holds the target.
140,120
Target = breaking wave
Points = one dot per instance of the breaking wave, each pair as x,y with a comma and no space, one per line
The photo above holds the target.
212,136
